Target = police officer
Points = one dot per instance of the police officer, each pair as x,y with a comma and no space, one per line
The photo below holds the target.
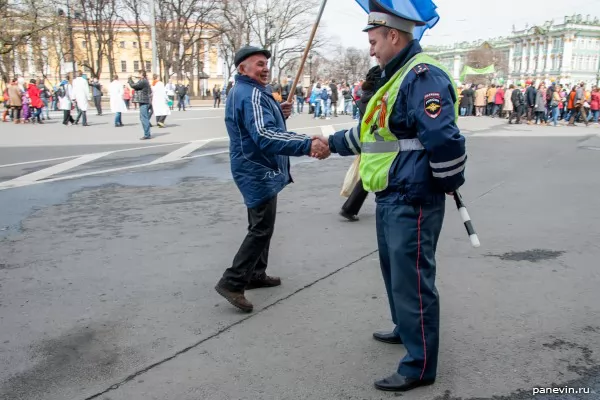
412,154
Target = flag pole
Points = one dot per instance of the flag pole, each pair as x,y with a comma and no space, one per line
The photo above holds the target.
306,50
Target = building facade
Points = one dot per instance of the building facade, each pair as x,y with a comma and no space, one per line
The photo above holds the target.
477,54
566,52
51,58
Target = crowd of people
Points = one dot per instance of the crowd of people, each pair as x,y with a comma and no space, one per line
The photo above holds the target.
536,105
31,102
325,98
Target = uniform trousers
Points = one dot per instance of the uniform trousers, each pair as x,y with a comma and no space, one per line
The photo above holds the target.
250,262
407,237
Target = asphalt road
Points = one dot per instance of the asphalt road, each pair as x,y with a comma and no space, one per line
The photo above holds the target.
106,281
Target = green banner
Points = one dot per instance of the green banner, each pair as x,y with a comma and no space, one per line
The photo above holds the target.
476,71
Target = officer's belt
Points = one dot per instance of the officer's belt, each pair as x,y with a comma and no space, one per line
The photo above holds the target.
392,147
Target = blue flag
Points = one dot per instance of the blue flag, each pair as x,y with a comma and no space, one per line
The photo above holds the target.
417,10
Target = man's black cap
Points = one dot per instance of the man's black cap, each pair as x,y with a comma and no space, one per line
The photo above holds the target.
248,51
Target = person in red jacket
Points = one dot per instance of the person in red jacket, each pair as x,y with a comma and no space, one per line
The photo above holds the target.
595,104
498,102
36,101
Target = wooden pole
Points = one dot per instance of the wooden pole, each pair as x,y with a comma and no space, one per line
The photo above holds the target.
306,51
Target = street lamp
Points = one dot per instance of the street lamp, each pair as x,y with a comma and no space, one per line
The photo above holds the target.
153,37
70,34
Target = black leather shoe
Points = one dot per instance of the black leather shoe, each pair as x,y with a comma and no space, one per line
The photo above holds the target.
399,383
348,216
387,337
266,282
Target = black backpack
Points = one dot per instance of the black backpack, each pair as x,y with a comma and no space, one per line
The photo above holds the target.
61,92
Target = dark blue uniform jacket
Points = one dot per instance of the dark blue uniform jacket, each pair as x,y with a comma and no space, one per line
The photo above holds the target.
422,176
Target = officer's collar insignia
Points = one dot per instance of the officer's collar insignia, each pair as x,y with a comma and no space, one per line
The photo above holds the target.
433,104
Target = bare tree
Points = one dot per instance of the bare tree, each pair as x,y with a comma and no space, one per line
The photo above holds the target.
99,19
181,26
21,19
134,15
349,64
283,25
484,56
235,28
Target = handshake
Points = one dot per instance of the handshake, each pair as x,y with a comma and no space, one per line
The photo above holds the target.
320,147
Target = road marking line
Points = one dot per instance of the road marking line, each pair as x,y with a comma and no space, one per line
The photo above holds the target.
56,169
81,155
189,119
106,171
38,161
327,130
531,134
213,153
181,152
318,126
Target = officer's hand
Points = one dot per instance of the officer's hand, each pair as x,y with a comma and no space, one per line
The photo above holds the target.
319,149
286,107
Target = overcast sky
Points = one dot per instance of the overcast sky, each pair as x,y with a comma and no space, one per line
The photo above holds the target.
460,20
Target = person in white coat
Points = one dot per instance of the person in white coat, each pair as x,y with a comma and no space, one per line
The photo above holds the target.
64,94
117,104
160,102
81,94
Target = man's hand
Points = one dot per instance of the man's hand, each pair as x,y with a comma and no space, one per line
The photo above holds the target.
319,148
286,107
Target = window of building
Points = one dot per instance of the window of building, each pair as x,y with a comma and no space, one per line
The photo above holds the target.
84,44
136,66
148,66
123,66
147,45
135,45
122,45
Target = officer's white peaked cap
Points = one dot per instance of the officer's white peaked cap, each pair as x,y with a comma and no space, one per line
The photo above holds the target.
385,13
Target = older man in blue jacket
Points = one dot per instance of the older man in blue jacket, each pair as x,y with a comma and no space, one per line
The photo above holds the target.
259,149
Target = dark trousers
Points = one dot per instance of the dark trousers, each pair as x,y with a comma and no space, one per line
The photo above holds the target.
67,117
251,260
516,113
81,114
161,118
181,103
530,113
145,119
15,113
98,104
356,199
578,109
407,238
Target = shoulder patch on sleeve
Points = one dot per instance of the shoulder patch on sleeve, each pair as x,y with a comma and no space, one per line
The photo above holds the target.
433,104
420,68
